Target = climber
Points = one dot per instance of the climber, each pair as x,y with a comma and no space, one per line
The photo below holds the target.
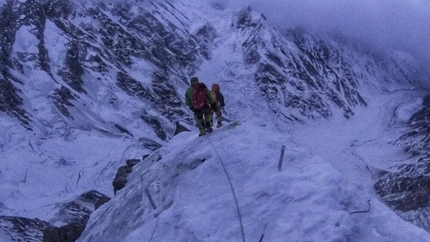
199,99
219,100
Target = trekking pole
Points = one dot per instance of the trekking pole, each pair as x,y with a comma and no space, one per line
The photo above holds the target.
197,120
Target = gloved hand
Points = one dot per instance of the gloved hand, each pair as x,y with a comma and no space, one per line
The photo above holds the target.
214,107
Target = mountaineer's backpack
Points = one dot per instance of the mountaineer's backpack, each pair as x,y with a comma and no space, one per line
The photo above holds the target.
199,100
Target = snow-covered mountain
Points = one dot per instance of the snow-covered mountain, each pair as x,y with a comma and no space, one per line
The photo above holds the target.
86,86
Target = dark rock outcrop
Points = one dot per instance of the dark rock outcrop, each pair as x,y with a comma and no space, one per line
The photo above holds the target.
23,229
74,214
180,128
407,191
66,233
121,176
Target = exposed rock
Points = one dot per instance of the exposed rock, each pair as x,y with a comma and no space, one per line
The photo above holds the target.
23,229
155,124
75,214
416,141
73,69
180,128
121,177
149,143
66,233
11,102
408,190
62,99
100,202
122,129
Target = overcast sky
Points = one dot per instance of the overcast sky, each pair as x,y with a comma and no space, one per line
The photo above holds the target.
398,24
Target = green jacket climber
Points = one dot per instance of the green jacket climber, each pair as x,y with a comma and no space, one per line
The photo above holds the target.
190,92
202,105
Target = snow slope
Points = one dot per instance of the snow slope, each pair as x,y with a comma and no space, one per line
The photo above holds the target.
324,182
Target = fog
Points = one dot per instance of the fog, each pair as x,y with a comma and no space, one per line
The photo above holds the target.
387,24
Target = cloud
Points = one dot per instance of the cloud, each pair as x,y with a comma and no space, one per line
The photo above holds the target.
387,24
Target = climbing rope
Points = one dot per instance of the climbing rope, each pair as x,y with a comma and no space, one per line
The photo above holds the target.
155,228
232,190
262,236
363,211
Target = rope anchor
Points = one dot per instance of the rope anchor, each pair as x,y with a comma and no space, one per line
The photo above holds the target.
281,159
150,199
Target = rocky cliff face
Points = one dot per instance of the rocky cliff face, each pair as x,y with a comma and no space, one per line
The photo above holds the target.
303,76
407,190
77,58
80,58
73,214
